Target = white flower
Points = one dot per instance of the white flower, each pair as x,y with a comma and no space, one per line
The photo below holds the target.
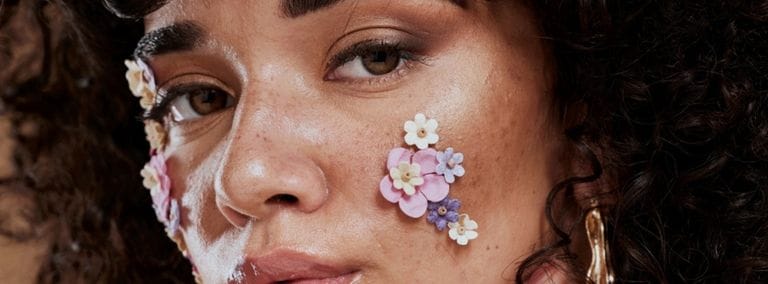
140,85
463,231
150,176
155,134
420,131
406,176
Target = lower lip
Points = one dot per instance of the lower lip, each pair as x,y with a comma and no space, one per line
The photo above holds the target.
348,278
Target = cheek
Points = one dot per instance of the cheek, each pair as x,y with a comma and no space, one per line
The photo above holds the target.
501,119
210,249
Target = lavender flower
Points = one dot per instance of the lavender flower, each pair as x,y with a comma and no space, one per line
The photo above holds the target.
443,212
174,219
449,164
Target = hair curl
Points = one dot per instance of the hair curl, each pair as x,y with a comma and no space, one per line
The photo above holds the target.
676,100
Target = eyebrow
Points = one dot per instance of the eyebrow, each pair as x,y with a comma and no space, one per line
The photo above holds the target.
298,8
187,35
180,36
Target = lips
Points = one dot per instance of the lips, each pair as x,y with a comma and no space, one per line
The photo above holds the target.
296,268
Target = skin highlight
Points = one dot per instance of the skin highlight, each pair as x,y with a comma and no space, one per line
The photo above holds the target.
324,142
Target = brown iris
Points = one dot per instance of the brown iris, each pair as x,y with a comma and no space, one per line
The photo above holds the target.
207,101
380,62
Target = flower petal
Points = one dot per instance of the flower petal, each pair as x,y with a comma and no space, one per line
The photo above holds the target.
440,224
431,125
417,181
458,158
410,127
408,189
470,235
449,178
454,205
165,183
440,169
420,119
462,240
398,184
432,216
174,219
453,233
394,173
397,155
421,143
411,138
458,171
414,206
434,188
440,157
470,224
452,216
427,159
388,191
432,138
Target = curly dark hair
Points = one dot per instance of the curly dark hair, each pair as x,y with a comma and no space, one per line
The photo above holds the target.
674,120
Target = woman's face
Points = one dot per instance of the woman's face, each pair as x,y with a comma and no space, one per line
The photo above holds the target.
280,123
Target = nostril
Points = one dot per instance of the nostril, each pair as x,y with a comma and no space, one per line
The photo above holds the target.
283,199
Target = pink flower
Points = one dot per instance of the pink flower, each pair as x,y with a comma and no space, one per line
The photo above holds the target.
412,181
159,184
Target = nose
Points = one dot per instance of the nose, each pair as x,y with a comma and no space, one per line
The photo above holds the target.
266,169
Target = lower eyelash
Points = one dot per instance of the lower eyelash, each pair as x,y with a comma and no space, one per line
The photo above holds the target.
407,65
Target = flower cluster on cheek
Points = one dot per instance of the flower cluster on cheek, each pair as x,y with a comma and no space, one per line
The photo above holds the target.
419,182
155,173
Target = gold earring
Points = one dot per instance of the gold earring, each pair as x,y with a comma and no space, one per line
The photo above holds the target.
599,270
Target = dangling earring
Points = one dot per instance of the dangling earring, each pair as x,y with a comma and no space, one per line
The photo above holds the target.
599,270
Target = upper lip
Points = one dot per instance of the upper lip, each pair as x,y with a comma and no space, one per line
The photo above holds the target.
285,265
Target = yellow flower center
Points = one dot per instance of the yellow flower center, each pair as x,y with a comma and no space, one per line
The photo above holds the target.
407,176
461,230
451,164
442,211
422,133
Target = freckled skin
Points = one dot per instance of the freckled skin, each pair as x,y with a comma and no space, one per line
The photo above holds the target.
291,132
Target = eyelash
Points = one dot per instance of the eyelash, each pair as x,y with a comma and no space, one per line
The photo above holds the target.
165,98
407,54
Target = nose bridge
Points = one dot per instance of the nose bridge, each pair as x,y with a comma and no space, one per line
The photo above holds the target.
265,167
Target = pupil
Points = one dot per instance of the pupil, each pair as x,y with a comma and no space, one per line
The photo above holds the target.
380,56
381,62
207,101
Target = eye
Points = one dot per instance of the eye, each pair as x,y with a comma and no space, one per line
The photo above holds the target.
192,102
369,60
371,64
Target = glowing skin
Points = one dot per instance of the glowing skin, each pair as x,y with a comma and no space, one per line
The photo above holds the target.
293,165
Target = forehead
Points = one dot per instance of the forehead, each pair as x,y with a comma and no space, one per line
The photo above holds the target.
185,24
280,8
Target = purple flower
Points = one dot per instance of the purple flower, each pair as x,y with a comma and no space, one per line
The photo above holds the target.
449,164
174,219
443,212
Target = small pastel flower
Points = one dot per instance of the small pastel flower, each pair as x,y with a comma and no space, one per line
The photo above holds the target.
430,187
174,219
443,212
463,230
406,176
159,184
421,132
141,82
155,134
449,164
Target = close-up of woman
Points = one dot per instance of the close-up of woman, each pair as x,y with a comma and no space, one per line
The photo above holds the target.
384,141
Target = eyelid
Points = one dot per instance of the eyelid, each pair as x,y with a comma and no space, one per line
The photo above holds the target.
358,49
179,85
